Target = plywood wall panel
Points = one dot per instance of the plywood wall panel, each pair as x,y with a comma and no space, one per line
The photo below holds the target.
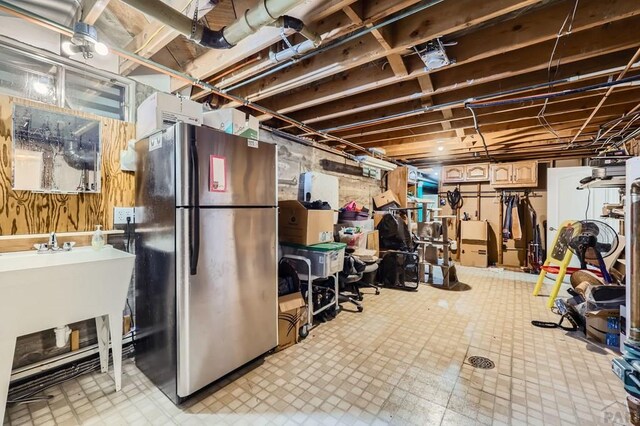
25,212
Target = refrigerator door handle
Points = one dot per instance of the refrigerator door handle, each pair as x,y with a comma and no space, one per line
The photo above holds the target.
194,210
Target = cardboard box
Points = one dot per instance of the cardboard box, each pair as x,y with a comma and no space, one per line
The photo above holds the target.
298,225
474,255
604,326
161,110
385,199
291,316
474,230
232,121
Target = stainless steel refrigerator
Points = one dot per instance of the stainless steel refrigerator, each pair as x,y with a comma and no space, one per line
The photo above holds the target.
206,265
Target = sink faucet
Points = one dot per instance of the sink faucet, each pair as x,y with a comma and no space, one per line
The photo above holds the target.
53,241
52,245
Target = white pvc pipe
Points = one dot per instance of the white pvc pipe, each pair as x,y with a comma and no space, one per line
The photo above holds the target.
289,53
266,12
62,335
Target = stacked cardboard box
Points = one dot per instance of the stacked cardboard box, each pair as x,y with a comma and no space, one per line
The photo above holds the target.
474,237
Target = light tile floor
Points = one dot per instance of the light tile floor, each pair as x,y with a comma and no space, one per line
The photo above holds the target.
401,361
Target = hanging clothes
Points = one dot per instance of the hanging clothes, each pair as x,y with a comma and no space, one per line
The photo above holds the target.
535,249
516,226
506,226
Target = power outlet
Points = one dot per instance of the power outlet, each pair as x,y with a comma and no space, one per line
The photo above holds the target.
120,215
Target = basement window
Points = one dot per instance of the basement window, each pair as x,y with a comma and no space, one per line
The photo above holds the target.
34,74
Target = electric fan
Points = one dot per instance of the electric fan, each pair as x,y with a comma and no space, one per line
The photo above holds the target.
593,240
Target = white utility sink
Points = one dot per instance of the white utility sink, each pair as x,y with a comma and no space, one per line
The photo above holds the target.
40,291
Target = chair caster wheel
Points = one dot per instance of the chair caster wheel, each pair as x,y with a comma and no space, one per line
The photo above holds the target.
377,292
304,331
360,308
360,298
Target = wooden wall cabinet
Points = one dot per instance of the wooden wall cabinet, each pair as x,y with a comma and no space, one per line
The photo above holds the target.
522,174
453,174
477,172
465,173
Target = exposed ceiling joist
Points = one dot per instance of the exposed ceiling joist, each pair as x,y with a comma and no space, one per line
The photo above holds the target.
92,9
514,34
452,16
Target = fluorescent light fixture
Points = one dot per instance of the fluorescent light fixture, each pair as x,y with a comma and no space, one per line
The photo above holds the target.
441,148
85,41
370,161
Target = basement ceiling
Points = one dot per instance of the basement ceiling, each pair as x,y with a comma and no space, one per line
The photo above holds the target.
375,90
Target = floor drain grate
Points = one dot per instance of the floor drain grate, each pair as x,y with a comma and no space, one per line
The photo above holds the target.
481,362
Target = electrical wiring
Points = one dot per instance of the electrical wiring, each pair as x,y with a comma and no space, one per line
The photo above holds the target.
619,133
620,77
561,32
477,127
552,95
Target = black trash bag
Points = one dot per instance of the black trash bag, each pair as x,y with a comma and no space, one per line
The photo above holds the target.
288,281
394,234
316,205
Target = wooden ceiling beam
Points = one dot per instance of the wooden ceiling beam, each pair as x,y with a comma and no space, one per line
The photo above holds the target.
92,9
214,61
513,34
533,136
381,34
574,69
152,38
411,123
415,29
461,119
582,45
330,28
504,133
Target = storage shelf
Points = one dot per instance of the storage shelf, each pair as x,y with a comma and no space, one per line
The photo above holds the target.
614,182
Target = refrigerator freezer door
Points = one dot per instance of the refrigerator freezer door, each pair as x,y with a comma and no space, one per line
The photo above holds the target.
227,312
155,277
233,171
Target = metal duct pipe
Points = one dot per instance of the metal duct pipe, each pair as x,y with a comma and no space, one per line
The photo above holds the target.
265,13
634,281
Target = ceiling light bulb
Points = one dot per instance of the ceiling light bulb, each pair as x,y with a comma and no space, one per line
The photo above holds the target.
436,173
441,148
69,48
101,49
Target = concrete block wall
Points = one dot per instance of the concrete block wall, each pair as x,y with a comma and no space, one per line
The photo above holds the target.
295,158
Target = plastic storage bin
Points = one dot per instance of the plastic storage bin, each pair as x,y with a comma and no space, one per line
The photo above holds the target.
326,259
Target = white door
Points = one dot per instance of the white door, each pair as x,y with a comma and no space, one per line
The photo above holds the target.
566,202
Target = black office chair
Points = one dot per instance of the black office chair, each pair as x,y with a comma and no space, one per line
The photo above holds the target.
369,277
349,278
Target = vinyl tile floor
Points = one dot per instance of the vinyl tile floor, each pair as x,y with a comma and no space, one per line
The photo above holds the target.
403,361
